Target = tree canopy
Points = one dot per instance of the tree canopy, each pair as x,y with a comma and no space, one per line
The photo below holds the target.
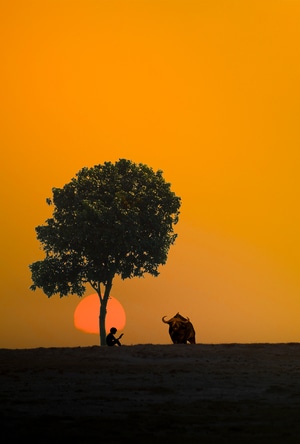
111,219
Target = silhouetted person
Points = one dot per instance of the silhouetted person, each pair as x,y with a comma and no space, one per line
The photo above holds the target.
111,339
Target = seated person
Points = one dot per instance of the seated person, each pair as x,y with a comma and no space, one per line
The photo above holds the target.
111,339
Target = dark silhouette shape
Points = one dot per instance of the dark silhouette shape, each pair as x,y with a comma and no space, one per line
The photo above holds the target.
181,330
111,340
109,220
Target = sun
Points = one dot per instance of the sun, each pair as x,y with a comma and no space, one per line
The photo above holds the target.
86,314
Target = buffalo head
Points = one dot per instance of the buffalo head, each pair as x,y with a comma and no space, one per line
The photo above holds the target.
181,329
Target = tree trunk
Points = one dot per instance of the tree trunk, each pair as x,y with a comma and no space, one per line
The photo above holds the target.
102,313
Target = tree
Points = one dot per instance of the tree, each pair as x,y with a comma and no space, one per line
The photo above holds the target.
111,219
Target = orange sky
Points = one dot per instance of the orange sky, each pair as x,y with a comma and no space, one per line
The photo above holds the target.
207,91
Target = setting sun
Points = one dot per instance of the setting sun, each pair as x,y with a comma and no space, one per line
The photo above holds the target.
208,92
86,315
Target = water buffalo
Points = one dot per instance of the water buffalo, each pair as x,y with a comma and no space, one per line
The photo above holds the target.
181,330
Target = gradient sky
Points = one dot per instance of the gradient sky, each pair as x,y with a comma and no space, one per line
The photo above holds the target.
208,91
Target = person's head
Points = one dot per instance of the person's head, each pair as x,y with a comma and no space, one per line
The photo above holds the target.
113,330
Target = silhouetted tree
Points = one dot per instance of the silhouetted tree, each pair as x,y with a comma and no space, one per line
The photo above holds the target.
111,219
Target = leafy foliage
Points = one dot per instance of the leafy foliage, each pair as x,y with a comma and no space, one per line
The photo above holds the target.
111,219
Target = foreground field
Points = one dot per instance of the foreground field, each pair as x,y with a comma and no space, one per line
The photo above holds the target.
228,393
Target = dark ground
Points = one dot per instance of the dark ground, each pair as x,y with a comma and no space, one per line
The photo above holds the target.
228,393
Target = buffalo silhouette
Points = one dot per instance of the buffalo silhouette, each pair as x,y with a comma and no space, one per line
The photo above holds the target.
181,330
